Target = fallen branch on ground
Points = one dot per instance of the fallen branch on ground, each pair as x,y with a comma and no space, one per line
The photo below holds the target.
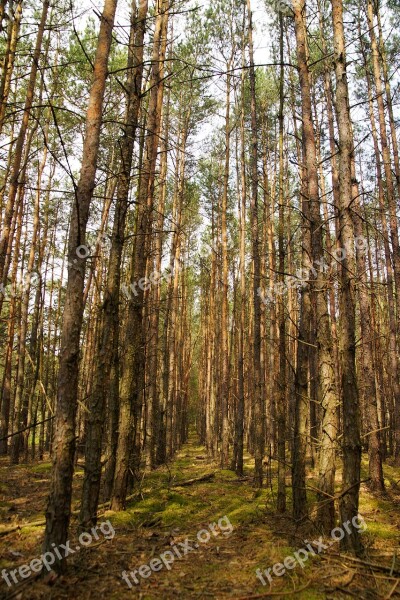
16,527
368,564
195,480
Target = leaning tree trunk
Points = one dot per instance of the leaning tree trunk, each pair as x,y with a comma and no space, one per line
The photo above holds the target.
59,503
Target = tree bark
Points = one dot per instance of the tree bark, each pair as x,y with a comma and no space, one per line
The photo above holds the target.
258,400
107,348
59,502
351,445
133,367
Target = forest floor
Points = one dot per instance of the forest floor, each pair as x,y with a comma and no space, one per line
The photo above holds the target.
164,513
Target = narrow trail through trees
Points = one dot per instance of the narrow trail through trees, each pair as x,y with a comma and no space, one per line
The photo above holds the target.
199,232
179,502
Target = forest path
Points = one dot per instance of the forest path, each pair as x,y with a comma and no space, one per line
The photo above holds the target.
163,515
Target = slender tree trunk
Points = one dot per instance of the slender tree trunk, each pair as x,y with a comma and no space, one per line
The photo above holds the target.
389,102
282,382
326,389
351,444
16,443
9,59
390,192
367,334
19,145
301,406
224,389
239,428
258,400
155,426
6,400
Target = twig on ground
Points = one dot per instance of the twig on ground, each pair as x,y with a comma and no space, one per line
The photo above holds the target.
389,595
369,564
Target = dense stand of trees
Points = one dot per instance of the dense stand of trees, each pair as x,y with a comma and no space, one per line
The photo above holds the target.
193,235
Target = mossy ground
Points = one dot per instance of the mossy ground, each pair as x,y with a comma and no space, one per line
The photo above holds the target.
163,513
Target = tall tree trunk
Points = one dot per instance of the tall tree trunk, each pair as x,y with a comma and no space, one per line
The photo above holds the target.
155,427
258,400
6,399
351,445
133,367
282,382
59,503
16,444
224,388
326,388
391,199
302,403
366,317
239,421
108,336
